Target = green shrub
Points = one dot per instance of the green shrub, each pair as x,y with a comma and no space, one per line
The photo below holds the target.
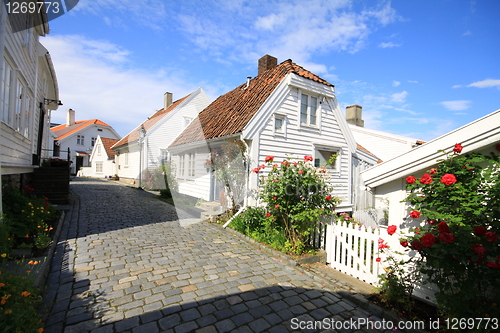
19,303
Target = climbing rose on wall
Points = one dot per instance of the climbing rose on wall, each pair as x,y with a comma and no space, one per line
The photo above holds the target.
491,236
308,158
410,180
480,230
458,148
426,179
443,227
447,237
479,249
269,159
428,240
391,229
448,179
414,214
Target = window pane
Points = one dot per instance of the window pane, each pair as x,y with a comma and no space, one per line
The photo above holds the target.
303,109
278,125
312,110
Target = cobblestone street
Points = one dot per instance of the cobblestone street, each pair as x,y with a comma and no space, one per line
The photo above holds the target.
125,264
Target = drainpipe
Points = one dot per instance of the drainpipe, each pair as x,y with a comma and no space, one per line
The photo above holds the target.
245,199
3,18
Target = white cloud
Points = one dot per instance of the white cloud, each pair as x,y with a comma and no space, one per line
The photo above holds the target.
95,81
457,86
399,97
388,44
486,83
395,83
459,105
467,33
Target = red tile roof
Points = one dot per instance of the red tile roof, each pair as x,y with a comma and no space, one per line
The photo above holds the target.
360,147
231,112
63,131
108,143
148,123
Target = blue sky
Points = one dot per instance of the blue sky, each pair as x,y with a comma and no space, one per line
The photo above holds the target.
418,68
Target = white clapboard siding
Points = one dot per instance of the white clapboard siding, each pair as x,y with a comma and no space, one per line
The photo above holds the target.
298,141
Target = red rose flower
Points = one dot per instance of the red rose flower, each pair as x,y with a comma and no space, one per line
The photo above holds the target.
414,214
410,180
262,166
403,243
458,148
480,231
416,245
308,158
448,179
391,229
428,240
268,214
431,222
426,179
301,172
447,237
256,170
492,264
443,227
274,198
382,246
432,171
479,249
328,197
269,159
378,259
277,206
491,236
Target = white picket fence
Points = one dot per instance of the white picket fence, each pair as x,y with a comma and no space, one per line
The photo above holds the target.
353,250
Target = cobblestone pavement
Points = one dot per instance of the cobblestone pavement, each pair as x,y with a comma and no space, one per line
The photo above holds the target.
125,264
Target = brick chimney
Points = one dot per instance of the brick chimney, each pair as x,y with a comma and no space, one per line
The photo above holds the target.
354,115
167,100
70,117
267,62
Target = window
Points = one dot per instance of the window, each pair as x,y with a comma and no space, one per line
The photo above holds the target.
181,165
27,115
6,92
19,115
99,130
92,141
191,167
308,110
98,167
163,156
99,150
327,158
80,140
125,160
187,121
279,124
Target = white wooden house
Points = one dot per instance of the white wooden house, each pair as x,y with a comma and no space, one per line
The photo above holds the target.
102,160
285,110
28,93
145,147
80,137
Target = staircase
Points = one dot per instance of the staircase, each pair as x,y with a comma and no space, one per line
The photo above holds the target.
209,209
53,183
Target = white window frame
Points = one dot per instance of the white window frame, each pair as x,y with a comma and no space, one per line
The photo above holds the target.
99,167
80,140
181,165
125,160
307,111
98,150
6,93
163,156
319,159
191,165
277,118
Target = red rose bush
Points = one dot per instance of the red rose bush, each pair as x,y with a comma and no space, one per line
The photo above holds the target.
457,244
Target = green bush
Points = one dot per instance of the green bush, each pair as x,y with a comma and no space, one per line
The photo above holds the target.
299,196
459,239
19,303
